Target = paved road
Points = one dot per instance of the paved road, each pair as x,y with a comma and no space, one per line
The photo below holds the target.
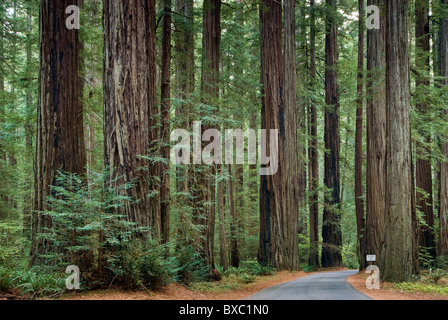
319,286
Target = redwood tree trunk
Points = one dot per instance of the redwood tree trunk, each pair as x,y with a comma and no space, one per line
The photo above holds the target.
400,245
442,246
184,60
359,202
130,106
313,154
423,163
222,224
234,248
60,137
211,41
278,200
165,127
331,229
376,135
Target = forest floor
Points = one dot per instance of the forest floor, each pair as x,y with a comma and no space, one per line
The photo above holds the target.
390,291
224,290
232,289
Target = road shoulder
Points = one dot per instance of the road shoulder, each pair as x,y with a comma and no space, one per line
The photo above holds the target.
387,291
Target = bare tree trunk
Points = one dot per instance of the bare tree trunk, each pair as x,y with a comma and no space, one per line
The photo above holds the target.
2,105
442,246
234,248
279,193
376,135
28,203
185,83
60,137
331,229
130,107
165,127
423,163
222,224
313,154
359,202
211,42
400,245
301,75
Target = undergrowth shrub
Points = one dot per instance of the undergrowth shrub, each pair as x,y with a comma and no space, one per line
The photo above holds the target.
142,264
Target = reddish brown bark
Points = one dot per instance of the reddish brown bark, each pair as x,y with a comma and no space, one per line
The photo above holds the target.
313,153
165,127
331,229
130,107
376,134
400,245
278,199
442,246
423,162
359,202
60,136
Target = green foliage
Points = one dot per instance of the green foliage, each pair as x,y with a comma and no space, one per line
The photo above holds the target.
416,287
307,268
304,247
250,267
6,283
437,274
34,283
247,278
140,264
192,266
442,262
79,213
39,283
350,260
425,258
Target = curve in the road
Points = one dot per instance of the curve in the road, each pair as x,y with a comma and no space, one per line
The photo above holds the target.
319,286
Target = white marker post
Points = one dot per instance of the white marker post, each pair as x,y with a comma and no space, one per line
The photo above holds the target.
371,258
374,272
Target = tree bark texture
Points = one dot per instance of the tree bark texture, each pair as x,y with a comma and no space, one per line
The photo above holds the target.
60,136
376,135
278,200
359,194
423,163
442,245
130,107
331,228
400,245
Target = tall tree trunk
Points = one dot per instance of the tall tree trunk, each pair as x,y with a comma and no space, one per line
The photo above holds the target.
27,210
423,162
301,75
331,229
211,42
2,105
222,224
60,137
313,153
239,204
359,202
185,84
400,245
234,248
130,106
165,127
376,135
442,246
278,199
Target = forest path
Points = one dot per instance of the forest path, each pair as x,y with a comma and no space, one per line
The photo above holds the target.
319,286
